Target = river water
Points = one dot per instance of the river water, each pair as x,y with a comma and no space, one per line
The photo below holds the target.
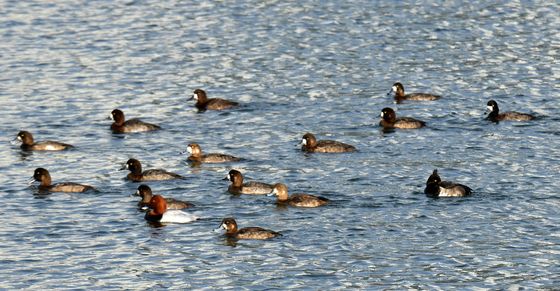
319,66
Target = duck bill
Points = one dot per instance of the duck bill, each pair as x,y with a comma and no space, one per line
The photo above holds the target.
191,98
187,151
219,229
15,141
123,167
271,194
31,181
391,92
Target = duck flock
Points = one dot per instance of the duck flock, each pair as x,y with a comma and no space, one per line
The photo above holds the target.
161,210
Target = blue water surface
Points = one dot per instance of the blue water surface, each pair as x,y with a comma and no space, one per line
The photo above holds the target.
318,66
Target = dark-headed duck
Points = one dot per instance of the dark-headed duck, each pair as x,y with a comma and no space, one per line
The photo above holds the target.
198,157
230,225
389,120
496,116
435,187
298,200
145,192
311,145
43,176
130,126
238,187
204,103
136,174
27,143
398,91
160,213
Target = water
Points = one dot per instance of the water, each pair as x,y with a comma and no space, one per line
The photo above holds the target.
322,67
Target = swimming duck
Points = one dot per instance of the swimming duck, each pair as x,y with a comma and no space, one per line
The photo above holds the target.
145,192
398,91
298,200
311,145
136,174
389,120
43,176
496,116
130,126
198,157
230,225
203,103
28,144
238,187
435,187
160,213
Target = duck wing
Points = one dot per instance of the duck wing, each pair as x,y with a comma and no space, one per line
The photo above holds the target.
306,200
160,174
332,146
137,125
219,158
421,97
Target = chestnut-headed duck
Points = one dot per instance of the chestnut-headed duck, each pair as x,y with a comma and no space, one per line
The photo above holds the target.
145,192
159,212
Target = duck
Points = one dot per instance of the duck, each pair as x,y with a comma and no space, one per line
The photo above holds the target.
398,90
159,212
230,225
311,145
28,144
389,120
145,192
496,116
238,187
298,200
203,103
42,175
136,174
129,126
198,157
435,187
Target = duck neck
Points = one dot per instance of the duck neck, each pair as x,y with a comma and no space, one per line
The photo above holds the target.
27,140
46,181
282,196
432,189
493,115
232,230
237,182
146,197
201,99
